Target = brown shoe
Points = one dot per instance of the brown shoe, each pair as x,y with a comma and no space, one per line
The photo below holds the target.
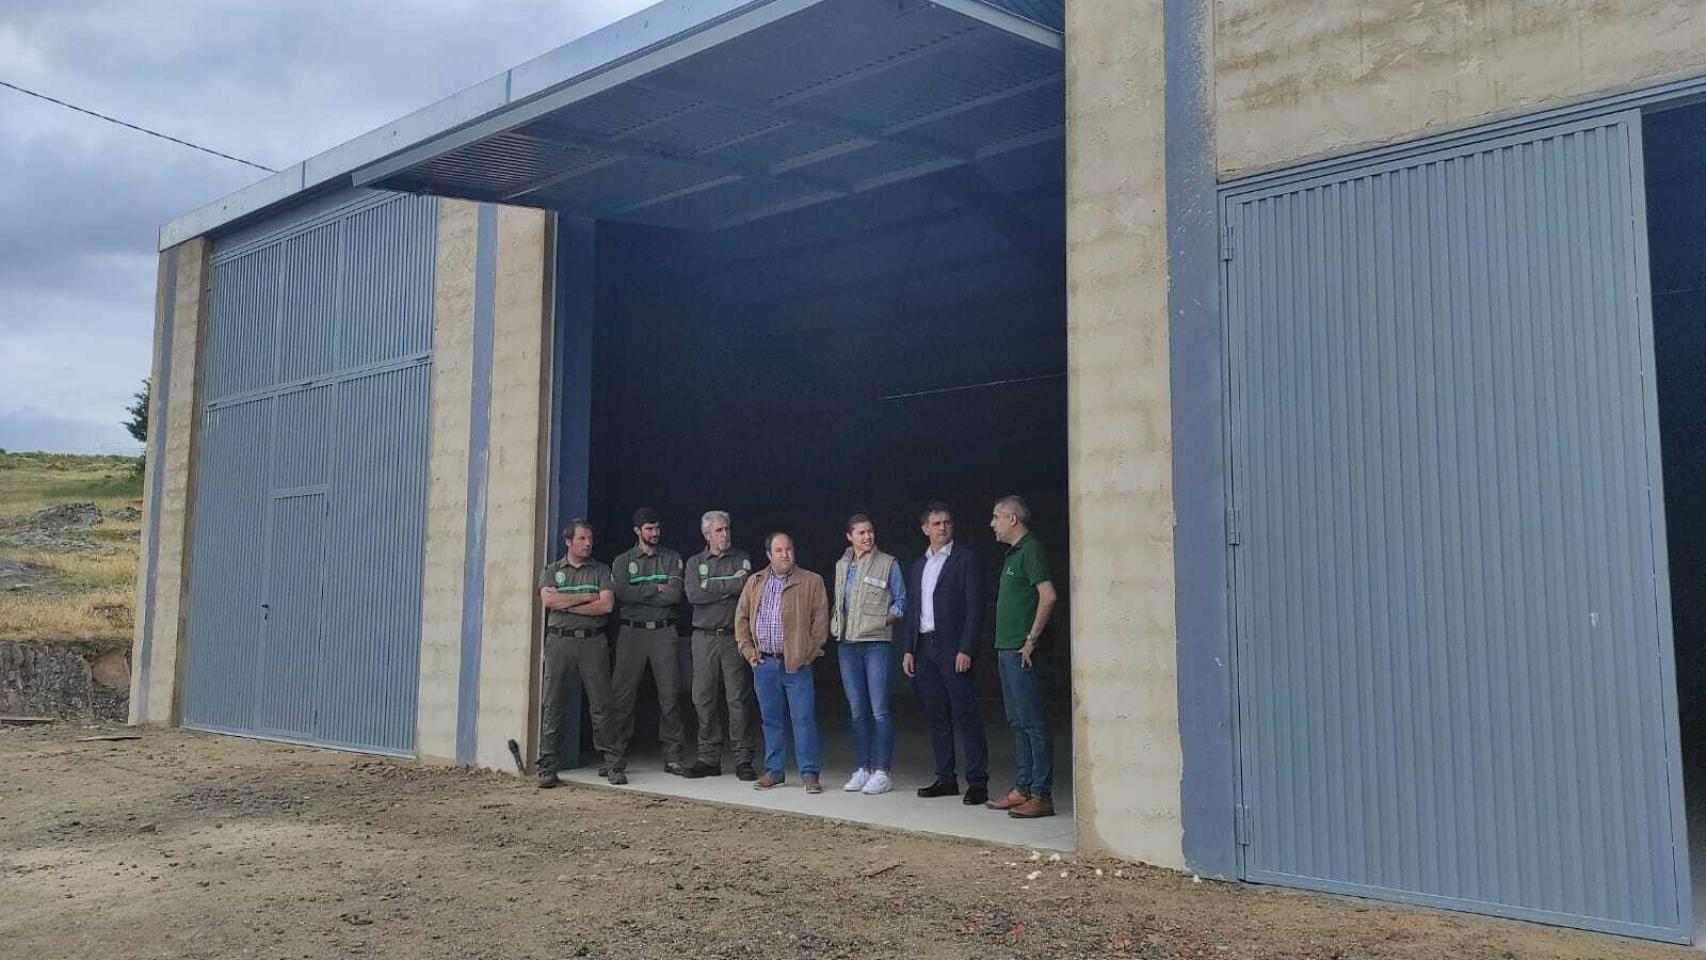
767,782
812,785
1011,800
1034,807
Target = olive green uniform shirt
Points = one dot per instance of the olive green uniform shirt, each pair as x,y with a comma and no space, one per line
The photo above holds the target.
713,587
648,587
590,577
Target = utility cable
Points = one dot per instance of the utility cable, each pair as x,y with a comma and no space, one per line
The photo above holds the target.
152,133
987,384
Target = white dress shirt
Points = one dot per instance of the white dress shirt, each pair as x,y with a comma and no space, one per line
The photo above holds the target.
933,562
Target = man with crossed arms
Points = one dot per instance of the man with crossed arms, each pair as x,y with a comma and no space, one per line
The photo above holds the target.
721,675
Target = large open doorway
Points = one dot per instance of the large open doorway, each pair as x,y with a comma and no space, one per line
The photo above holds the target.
1675,149
867,355
812,261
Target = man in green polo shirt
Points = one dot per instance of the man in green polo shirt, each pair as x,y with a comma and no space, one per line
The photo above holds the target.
1024,601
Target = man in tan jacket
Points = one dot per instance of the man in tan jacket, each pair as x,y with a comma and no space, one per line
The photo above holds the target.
781,624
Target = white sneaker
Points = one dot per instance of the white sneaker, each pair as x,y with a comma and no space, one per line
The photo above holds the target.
861,776
878,783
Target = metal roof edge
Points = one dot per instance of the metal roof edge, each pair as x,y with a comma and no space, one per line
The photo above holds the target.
631,36
1003,19
641,52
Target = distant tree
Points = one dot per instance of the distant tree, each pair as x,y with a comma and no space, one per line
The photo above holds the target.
138,422
137,425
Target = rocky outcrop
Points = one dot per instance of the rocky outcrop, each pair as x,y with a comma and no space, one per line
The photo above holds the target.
72,680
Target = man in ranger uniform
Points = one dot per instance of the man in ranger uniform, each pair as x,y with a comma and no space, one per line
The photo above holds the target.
578,595
715,576
648,589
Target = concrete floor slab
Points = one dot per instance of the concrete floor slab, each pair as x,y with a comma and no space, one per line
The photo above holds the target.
900,809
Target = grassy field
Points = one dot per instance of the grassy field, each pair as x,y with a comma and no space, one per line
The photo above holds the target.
81,584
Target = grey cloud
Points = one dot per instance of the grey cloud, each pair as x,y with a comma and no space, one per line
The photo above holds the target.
30,428
269,80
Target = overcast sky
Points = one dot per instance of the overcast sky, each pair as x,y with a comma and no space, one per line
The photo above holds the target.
81,201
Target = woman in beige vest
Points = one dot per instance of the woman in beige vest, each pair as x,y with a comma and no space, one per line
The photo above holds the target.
870,596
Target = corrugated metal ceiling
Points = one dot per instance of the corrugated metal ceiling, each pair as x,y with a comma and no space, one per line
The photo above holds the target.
842,97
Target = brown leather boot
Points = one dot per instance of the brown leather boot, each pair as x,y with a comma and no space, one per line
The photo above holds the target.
1011,800
1034,807
767,781
813,785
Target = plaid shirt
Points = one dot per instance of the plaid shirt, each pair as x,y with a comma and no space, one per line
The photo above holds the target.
767,627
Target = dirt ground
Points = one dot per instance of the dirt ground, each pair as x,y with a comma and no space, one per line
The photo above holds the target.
190,845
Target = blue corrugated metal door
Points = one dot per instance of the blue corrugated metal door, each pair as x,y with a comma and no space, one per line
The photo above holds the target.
291,625
1454,653
304,616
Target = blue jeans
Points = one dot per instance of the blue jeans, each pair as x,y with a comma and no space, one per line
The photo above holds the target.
865,670
1033,751
782,695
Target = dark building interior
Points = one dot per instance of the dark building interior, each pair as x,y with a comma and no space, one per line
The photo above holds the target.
1675,149
866,355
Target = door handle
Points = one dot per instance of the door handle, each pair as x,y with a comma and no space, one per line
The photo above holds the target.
266,611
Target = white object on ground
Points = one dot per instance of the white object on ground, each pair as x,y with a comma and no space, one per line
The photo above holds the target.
856,783
878,783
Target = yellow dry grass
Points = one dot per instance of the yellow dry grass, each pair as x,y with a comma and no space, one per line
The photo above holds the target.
31,481
106,616
89,594
83,571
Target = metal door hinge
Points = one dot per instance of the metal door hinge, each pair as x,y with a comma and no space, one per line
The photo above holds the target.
1243,824
1226,247
1234,535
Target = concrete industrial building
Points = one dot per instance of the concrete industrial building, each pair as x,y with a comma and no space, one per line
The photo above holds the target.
1374,445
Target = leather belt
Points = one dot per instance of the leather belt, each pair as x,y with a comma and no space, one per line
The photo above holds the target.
649,624
715,631
571,633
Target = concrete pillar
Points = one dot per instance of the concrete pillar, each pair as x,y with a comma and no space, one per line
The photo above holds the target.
180,330
447,480
487,492
516,506
1126,744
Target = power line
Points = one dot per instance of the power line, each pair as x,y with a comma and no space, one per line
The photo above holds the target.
152,133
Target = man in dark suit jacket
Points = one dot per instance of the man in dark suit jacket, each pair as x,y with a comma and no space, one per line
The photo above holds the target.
940,639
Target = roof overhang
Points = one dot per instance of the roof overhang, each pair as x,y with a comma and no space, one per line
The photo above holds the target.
702,114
